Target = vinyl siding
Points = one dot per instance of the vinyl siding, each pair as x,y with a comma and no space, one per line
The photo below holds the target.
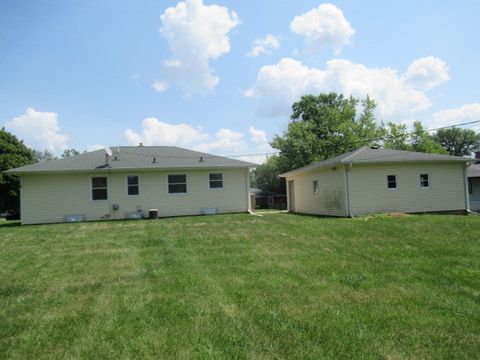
369,192
331,197
48,198
475,195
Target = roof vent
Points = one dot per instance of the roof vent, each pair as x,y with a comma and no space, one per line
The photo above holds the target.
201,159
154,160
140,144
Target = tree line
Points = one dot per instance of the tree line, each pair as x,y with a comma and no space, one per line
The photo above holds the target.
330,124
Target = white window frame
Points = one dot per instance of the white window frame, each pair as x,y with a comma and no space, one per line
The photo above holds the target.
90,185
428,179
396,182
126,185
208,180
167,187
315,189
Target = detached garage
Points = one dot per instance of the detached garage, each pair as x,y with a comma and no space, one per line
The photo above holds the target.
372,180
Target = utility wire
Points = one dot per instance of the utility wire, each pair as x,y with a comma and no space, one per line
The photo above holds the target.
362,141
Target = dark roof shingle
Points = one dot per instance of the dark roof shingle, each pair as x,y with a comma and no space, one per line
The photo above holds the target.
367,155
134,157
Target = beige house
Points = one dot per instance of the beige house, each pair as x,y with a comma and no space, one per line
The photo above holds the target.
129,182
370,180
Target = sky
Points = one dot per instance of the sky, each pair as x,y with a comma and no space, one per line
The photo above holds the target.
221,76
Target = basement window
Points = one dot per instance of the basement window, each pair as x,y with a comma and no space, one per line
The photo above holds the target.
315,186
133,187
215,181
99,188
392,181
177,184
424,181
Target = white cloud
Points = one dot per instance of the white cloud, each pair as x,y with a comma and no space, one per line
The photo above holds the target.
466,113
264,45
156,132
159,85
39,130
196,33
279,85
426,73
95,147
226,142
323,27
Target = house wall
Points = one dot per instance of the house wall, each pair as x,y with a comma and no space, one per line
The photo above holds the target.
475,195
369,192
48,198
331,197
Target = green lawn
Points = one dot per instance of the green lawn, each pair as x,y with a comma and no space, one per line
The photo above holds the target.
241,286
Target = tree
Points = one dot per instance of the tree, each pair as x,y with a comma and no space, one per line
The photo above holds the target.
422,141
326,125
13,153
396,136
266,175
458,142
44,155
70,152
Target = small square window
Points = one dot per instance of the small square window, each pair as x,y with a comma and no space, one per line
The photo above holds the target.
99,188
392,181
424,181
177,184
133,185
215,181
315,186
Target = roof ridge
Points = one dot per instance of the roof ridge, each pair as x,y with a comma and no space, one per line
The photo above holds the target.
354,153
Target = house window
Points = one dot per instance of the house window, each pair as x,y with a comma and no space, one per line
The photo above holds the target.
424,182
470,188
215,181
315,186
177,184
99,188
392,181
132,185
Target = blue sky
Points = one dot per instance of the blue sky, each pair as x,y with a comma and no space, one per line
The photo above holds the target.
80,74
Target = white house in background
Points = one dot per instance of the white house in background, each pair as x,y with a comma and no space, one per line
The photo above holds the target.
131,181
370,180
474,183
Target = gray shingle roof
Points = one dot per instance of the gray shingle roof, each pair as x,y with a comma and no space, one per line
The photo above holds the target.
367,155
473,170
134,157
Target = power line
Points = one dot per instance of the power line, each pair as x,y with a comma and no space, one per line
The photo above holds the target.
362,141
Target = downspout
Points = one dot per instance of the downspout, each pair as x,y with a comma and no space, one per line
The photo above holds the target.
247,185
349,194
465,181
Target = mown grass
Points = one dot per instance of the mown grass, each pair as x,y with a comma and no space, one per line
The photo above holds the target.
242,287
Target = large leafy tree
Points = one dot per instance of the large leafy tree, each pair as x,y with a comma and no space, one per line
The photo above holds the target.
13,153
458,142
326,125
70,152
422,141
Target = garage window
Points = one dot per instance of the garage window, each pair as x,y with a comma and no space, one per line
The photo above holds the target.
392,181
424,181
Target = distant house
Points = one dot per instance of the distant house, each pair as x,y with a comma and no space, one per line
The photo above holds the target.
474,183
370,180
130,182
